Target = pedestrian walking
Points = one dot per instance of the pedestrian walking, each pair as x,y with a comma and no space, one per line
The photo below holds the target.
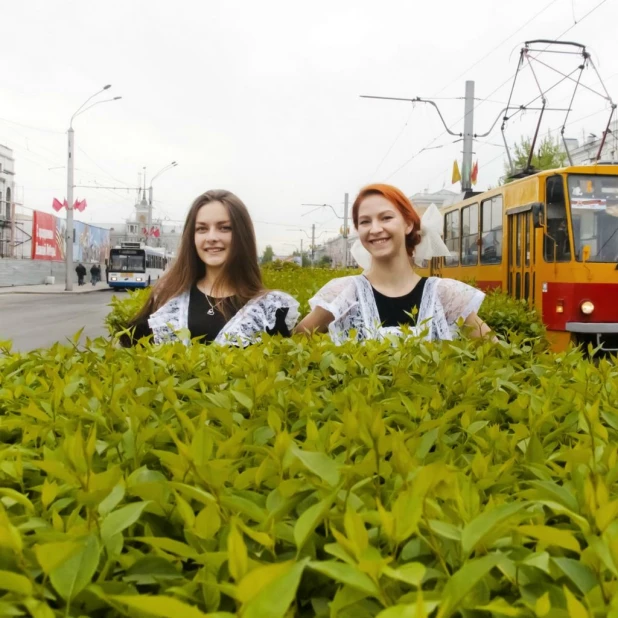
81,273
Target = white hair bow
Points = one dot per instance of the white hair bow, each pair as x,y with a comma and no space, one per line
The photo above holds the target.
431,244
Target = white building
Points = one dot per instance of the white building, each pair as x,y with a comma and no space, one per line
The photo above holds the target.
134,230
584,151
7,206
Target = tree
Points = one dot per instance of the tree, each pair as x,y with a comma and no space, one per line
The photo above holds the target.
268,255
306,261
548,155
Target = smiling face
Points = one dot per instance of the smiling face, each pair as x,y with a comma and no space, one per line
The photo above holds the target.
213,234
381,228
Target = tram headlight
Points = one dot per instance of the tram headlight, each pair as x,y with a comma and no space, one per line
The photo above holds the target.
138,278
113,279
586,307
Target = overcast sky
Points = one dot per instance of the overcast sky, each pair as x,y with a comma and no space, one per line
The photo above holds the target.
262,98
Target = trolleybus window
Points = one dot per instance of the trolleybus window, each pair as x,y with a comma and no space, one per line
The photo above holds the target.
451,237
556,246
491,239
121,261
470,235
594,216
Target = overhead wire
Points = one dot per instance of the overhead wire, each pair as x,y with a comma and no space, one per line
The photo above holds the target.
484,99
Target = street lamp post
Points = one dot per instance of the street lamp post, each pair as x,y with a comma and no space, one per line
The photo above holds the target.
345,233
70,185
169,166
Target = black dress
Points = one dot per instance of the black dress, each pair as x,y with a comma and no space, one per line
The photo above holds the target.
393,311
206,326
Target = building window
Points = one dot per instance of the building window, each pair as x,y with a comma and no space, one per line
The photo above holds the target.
469,235
451,237
491,230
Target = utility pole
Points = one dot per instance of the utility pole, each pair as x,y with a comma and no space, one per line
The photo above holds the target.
301,252
468,138
69,231
467,135
313,245
345,224
70,184
345,231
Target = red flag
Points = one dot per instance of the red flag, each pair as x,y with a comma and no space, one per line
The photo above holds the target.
155,232
81,206
57,205
475,173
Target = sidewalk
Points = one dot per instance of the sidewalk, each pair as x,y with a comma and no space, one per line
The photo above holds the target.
57,288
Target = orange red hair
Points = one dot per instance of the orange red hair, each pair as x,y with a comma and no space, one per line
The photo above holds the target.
400,202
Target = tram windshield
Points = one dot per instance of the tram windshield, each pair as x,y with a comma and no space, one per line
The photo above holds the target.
594,216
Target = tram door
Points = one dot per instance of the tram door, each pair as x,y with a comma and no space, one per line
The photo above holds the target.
521,277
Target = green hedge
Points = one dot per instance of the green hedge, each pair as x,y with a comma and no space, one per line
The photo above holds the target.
505,315
298,478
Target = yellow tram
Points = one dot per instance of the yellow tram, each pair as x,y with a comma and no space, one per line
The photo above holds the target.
550,238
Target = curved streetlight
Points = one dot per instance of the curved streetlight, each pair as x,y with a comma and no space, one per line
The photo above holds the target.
84,107
346,228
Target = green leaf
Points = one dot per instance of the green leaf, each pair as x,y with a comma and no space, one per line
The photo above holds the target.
159,605
309,520
549,535
243,399
272,596
18,497
420,609
169,545
51,555
151,570
486,523
348,575
411,573
580,574
75,573
462,582
320,464
14,582
120,520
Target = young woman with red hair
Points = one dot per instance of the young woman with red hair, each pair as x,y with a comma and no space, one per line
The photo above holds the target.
390,294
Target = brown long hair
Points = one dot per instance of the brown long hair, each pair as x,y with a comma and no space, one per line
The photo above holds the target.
400,202
241,271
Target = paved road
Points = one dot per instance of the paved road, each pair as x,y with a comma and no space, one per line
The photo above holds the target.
39,320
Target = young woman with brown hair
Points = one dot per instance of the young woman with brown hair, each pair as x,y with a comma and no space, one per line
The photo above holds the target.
214,289
389,292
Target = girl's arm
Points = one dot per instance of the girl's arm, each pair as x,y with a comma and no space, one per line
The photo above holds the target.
316,321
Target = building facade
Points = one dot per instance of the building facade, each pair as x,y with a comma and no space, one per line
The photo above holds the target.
7,199
162,234
584,151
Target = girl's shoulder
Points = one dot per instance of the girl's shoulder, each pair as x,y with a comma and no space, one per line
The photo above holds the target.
457,298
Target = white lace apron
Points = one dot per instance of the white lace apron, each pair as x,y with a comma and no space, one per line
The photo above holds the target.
352,302
171,321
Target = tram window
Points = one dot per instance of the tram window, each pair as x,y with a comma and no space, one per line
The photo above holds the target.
491,230
556,245
451,237
470,235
